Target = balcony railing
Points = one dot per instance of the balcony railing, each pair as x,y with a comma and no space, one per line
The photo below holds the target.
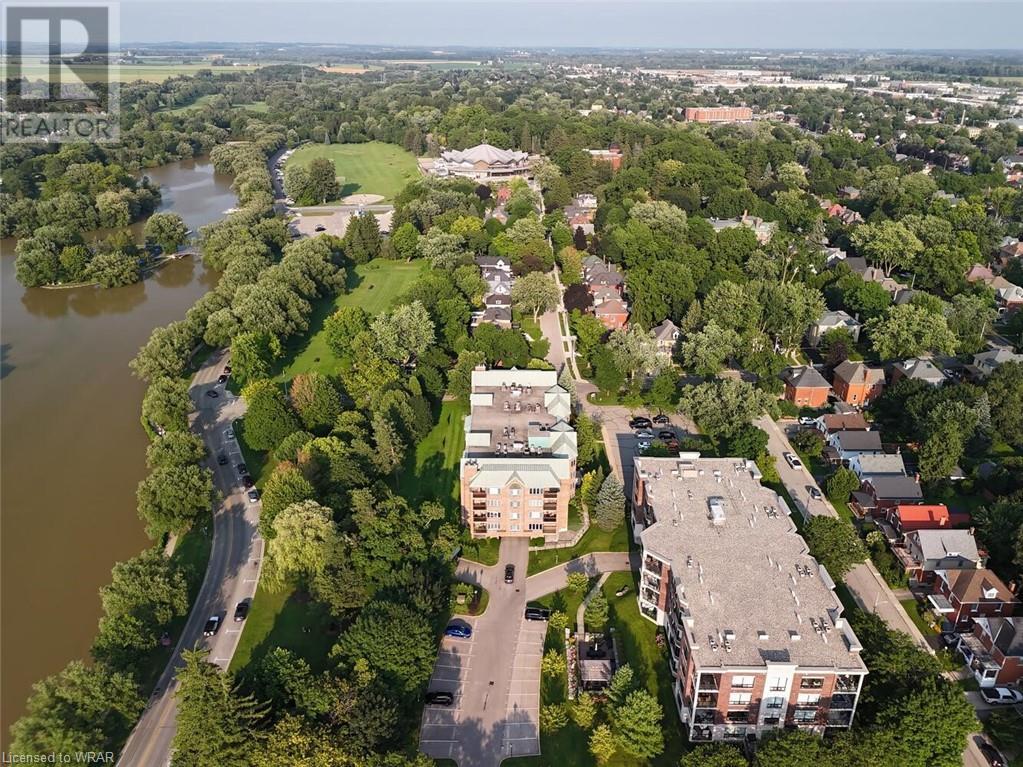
842,701
707,700
550,517
845,683
653,565
479,528
479,517
550,493
710,682
839,718
479,493
651,596
705,716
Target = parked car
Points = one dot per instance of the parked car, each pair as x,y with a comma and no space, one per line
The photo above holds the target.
439,698
222,378
805,420
1001,696
666,435
229,433
212,626
241,611
227,369
242,469
321,228
643,445
509,574
815,493
792,460
253,495
990,753
212,394
458,631
222,459
644,434
248,481
661,419
639,422
537,614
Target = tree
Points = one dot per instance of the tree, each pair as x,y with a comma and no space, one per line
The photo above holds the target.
790,749
940,452
285,486
888,244
168,230
810,442
323,184
587,437
171,499
316,399
591,484
634,351
835,544
637,725
175,448
304,539
148,587
405,241
443,250
714,755
81,709
535,293
840,484
584,710
404,332
609,511
596,612
933,722
571,262
603,744
578,582
252,355
362,238
216,723
553,717
579,239
748,441
706,351
296,184
113,270
909,331
166,404
722,407
553,664
1004,388
622,683
343,326
268,419
969,318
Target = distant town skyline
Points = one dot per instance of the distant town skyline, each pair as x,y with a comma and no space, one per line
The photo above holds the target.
795,24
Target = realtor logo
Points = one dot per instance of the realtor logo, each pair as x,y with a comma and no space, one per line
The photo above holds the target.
60,80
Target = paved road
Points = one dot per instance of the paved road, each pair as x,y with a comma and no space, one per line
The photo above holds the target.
231,575
556,578
874,595
796,481
495,675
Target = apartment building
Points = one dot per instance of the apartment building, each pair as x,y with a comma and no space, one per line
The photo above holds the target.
756,637
518,468
718,114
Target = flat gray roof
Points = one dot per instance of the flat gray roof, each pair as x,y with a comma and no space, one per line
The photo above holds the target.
741,572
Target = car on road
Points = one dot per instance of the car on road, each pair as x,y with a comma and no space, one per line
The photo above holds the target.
458,631
661,419
321,228
990,753
792,460
1001,696
644,434
227,369
805,420
212,626
212,394
242,469
815,492
665,434
439,698
248,481
537,614
241,611
253,495
229,433
643,445
222,378
222,459
509,574
639,422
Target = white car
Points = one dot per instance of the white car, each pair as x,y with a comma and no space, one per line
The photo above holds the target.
806,420
644,445
1001,696
792,460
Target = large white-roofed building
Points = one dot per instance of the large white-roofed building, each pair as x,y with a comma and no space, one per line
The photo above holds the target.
483,162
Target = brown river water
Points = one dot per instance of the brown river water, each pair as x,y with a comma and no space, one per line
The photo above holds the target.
72,449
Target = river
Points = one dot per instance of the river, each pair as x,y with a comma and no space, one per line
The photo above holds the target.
73,449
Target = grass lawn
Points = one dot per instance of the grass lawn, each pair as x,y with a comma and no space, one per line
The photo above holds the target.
912,607
595,539
285,619
372,286
469,609
370,168
482,550
432,475
127,73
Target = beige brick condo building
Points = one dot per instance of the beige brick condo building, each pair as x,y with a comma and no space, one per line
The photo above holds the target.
518,468
755,633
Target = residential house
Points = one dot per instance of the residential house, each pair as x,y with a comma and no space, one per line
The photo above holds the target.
754,632
602,293
891,285
918,369
494,315
666,335
1009,298
833,256
806,387
857,265
837,320
848,444
986,363
519,464
497,300
614,313
878,464
980,273
884,492
857,383
994,650
764,230
849,193
963,596
483,162
928,551
830,423
497,263
612,156
906,518
1011,250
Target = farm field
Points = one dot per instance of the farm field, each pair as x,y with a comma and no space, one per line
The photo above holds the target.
370,168
126,73
255,106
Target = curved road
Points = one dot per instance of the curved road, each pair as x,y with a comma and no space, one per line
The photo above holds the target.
231,576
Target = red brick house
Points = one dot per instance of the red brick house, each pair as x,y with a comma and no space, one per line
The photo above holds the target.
907,518
994,651
962,596
613,313
856,383
878,494
805,387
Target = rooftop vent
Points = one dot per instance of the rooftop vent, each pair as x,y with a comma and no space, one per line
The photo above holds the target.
763,636
729,635
717,510
794,635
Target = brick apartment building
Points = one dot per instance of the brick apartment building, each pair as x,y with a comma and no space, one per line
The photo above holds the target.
756,637
518,468
718,114
994,651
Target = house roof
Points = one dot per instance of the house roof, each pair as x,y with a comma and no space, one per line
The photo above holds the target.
844,422
942,544
919,369
921,513
611,306
806,377
858,440
857,372
837,319
888,487
978,586
881,463
665,331
996,357
1007,633
857,264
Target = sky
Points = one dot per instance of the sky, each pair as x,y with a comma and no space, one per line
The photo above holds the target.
817,24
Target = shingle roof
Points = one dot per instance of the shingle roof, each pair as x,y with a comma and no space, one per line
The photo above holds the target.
857,372
920,369
971,585
858,440
806,377
941,544
892,487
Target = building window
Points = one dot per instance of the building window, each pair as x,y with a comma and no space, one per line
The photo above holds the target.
811,683
535,514
494,514
740,698
777,684
514,528
535,526
774,702
515,491
536,491
493,502
514,504
495,491
742,681
493,526
737,716
801,716
514,515
537,503
808,699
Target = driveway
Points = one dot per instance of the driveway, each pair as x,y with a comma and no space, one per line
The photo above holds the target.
796,481
494,675
620,440
556,578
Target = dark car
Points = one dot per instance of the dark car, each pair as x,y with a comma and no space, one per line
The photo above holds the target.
241,611
538,614
321,228
991,754
253,495
222,378
665,434
661,419
458,631
212,393
815,493
222,459
509,574
639,422
212,626
439,698
248,481
242,469
227,369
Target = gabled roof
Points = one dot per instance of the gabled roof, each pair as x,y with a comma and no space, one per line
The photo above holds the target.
942,544
919,369
844,422
611,306
996,357
923,513
890,487
858,440
979,586
665,331
806,377
857,372
836,319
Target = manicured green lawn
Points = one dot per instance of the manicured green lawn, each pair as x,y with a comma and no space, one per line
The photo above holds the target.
482,550
432,475
467,608
595,539
913,611
371,168
259,107
373,287
285,619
